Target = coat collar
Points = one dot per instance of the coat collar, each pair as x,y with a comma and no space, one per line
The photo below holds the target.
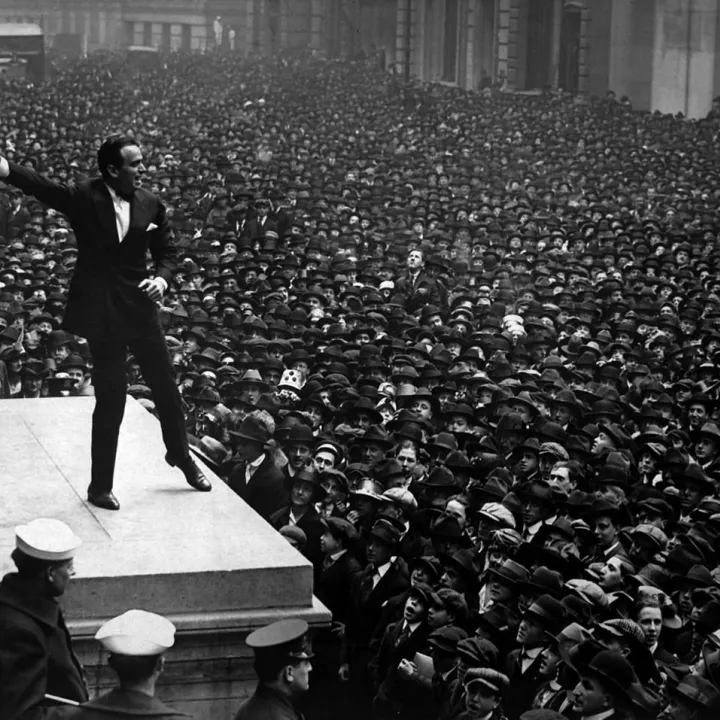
265,692
131,703
15,593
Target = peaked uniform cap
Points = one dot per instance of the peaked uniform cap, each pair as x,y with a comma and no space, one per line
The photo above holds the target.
286,638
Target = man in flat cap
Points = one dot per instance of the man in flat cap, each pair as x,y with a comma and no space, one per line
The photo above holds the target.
36,658
484,690
282,664
136,642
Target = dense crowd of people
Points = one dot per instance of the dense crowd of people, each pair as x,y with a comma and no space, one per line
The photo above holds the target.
460,349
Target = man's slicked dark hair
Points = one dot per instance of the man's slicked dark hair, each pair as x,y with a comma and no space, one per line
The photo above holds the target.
110,152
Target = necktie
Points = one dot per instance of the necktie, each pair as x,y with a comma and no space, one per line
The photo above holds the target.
403,636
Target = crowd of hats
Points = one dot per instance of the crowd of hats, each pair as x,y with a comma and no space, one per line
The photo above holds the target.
536,409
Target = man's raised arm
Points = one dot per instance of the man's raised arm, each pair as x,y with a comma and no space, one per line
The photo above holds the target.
56,195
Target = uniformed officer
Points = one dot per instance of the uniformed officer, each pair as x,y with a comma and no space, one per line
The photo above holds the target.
136,641
282,663
36,657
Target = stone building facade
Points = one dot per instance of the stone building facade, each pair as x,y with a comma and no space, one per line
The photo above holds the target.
663,54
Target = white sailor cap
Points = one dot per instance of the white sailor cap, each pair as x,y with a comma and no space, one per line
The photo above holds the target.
47,539
137,633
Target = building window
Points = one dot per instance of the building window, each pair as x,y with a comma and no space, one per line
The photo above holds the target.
147,34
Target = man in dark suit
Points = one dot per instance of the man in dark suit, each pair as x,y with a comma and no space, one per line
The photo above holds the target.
400,641
112,301
253,473
417,286
334,588
339,570
262,223
545,615
305,491
385,577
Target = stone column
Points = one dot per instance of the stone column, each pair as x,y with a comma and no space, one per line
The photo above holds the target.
503,38
684,56
584,54
249,26
284,22
703,50
316,24
401,38
555,52
470,80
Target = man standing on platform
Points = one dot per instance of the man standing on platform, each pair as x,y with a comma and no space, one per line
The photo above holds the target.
136,641
36,657
282,664
112,301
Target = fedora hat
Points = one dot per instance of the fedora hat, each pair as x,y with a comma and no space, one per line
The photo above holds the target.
377,435
251,377
548,611
211,451
385,532
614,672
463,561
308,475
251,430
509,573
544,581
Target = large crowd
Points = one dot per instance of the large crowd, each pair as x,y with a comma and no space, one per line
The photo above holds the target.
459,348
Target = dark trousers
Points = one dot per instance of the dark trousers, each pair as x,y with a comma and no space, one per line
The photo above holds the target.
110,381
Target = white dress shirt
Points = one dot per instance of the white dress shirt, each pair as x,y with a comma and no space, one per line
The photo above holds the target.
528,657
122,221
382,569
252,467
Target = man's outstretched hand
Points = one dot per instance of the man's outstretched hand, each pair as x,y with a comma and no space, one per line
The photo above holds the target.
153,288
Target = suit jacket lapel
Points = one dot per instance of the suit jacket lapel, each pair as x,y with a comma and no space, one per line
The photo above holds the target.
106,215
138,212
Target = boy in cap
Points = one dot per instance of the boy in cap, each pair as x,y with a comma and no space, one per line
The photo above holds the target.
282,664
400,642
136,642
36,656
484,689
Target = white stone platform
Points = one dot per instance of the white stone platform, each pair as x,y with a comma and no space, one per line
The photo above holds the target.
169,549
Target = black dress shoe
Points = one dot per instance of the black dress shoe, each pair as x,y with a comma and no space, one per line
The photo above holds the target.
193,474
104,500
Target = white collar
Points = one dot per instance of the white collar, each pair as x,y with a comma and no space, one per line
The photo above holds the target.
337,555
113,194
412,627
531,653
257,462
600,715
382,569
533,529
